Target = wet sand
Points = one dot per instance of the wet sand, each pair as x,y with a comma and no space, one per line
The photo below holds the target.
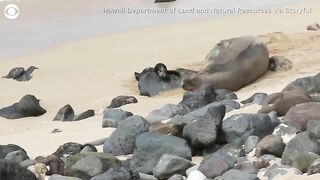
43,24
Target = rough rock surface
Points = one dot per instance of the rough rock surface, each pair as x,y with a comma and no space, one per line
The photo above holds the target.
112,117
170,165
151,146
216,164
13,171
203,132
238,128
28,106
300,144
122,140
88,165
121,101
270,144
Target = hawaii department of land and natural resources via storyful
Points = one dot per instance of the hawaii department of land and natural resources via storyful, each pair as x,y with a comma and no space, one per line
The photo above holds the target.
137,11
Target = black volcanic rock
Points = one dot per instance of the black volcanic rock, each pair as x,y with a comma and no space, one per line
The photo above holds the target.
28,106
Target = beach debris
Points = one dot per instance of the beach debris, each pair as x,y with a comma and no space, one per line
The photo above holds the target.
56,131
20,74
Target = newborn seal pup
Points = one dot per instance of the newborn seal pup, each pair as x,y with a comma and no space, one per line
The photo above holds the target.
153,80
161,70
163,73
232,64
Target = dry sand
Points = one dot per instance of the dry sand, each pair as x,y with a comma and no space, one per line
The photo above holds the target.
89,73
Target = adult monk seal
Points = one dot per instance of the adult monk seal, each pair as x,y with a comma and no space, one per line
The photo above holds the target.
232,64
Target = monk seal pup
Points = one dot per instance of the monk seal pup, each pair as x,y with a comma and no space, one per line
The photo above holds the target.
161,70
232,64
163,73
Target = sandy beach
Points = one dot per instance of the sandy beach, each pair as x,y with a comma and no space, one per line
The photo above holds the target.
88,73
